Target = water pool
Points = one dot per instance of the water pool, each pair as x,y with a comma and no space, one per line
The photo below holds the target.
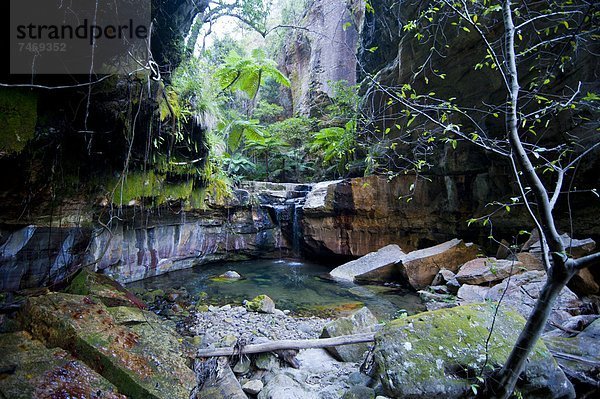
300,286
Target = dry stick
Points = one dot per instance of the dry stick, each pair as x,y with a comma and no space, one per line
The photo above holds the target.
289,344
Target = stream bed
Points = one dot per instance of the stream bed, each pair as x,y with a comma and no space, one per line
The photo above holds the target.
300,286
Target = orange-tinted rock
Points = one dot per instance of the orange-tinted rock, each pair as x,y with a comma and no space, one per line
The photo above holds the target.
357,216
420,267
487,270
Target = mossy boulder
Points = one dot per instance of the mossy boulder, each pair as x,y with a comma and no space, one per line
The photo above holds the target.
261,303
29,370
18,117
361,321
130,347
440,353
100,286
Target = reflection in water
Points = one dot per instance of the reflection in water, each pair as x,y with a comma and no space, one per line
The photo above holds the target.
302,287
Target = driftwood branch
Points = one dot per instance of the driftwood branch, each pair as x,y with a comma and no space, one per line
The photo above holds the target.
288,344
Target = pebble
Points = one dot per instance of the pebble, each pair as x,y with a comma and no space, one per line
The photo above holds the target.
253,387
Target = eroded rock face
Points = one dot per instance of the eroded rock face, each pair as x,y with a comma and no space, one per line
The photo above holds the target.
425,356
323,53
361,215
32,256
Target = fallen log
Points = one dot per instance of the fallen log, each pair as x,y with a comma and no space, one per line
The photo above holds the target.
295,344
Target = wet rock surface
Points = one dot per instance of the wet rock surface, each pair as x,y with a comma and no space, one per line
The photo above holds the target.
134,350
29,370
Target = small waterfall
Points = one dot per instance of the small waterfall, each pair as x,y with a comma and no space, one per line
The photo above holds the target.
296,228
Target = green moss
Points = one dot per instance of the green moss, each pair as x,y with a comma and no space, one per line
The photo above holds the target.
459,336
18,116
138,186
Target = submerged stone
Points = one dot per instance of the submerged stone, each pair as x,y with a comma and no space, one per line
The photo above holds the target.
29,370
131,348
438,354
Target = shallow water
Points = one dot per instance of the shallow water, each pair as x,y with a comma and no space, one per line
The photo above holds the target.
300,286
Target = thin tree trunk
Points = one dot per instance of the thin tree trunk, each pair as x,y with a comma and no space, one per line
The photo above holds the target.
503,385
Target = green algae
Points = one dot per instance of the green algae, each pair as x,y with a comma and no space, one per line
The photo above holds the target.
18,117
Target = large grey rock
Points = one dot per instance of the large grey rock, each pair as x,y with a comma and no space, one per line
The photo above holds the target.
360,321
359,392
425,356
253,387
468,293
487,270
523,290
378,266
284,387
222,385
579,357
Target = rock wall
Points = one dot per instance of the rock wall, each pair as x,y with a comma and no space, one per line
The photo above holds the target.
260,221
353,217
322,52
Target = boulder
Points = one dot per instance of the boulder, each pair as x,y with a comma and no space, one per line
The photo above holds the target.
261,303
282,386
468,293
579,357
523,290
360,321
100,286
433,354
443,276
375,266
142,357
221,385
231,274
487,270
585,282
420,267
253,387
359,392
29,370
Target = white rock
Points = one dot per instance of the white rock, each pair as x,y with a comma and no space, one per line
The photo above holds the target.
253,387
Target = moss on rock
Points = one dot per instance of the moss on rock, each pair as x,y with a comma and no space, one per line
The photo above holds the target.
439,354
129,347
